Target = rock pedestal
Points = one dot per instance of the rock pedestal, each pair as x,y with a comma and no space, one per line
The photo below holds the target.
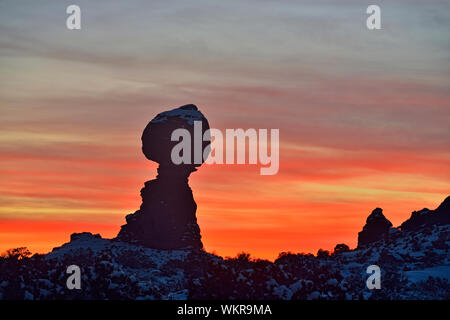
166,218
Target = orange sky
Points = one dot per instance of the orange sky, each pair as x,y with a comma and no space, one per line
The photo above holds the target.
315,201
363,116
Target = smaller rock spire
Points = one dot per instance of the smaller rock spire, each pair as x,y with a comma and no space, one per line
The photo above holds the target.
376,228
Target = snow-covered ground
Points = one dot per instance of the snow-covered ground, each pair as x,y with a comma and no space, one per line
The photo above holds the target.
414,265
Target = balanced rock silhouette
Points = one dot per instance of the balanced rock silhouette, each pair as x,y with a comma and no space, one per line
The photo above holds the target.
166,218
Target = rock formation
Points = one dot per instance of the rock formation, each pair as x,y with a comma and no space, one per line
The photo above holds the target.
439,216
376,228
166,218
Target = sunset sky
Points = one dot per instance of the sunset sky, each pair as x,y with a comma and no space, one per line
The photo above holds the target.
363,115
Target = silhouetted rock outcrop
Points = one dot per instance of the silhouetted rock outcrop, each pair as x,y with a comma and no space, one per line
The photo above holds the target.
376,228
426,217
166,218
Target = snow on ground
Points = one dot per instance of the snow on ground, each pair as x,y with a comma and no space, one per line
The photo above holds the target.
117,270
442,272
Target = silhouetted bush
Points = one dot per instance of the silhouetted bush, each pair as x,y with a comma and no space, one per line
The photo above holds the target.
322,254
341,248
16,253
